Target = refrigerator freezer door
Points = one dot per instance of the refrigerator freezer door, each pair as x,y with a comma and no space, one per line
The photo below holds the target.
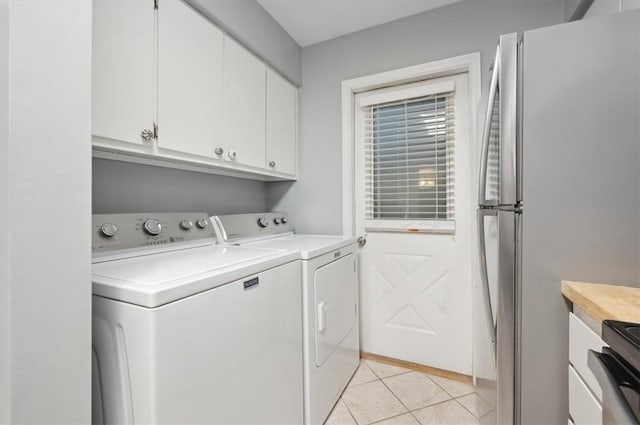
498,183
508,80
489,156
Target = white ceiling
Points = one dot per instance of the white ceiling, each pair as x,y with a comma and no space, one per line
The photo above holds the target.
312,21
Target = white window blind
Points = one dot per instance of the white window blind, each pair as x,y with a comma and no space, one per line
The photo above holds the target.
409,164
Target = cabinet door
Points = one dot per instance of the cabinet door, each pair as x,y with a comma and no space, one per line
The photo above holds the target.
244,106
123,69
189,80
281,124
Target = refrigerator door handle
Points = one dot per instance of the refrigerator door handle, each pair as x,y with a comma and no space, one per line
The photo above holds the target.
486,134
484,276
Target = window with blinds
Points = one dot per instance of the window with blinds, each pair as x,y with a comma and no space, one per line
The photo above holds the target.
409,162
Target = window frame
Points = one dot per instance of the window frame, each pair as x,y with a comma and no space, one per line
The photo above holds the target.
409,91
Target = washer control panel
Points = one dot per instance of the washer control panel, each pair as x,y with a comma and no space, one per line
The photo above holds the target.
235,227
111,232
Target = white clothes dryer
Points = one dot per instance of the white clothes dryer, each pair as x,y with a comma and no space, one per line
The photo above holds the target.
329,301
189,332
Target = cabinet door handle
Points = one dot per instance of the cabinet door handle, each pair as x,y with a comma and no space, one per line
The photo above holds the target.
232,155
147,134
272,164
218,151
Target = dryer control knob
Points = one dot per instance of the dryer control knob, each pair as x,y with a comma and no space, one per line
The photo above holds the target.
109,230
277,220
202,223
284,220
186,224
152,227
262,222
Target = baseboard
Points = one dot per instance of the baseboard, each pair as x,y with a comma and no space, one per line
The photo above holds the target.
418,367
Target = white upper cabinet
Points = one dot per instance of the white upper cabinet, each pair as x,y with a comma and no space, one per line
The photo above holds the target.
244,106
171,89
281,124
123,69
189,80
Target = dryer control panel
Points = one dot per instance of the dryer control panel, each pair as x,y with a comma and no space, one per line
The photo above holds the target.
238,227
119,232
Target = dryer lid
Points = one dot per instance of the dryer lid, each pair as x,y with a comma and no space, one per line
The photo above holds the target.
310,246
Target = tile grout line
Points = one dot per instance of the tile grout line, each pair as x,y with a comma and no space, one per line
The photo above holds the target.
397,398
348,410
452,398
465,408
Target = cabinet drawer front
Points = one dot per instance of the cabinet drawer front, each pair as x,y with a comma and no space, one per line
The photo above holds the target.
583,406
582,339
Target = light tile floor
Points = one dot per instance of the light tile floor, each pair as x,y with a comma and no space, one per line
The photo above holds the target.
390,395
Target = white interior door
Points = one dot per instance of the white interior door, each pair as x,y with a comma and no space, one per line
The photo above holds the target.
416,268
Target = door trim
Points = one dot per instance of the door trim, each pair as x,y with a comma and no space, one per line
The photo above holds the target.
469,63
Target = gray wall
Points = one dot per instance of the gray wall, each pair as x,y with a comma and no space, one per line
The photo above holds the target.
250,24
570,7
124,187
315,201
45,220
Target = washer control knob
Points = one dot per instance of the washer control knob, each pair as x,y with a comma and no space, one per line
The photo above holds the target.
109,230
284,220
152,227
186,224
262,222
202,223
277,220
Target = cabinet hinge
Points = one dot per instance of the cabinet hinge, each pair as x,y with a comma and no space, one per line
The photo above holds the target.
155,131
155,4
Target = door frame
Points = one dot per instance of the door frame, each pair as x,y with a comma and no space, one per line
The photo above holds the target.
469,63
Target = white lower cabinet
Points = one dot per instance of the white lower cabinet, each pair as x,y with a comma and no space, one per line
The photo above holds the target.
585,395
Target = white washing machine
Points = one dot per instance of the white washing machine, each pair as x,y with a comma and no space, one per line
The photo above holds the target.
189,332
329,300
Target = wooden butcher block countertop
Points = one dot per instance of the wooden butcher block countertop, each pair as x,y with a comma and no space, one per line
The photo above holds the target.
602,301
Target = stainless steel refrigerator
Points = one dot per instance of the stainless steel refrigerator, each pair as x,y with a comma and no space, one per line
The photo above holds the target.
559,198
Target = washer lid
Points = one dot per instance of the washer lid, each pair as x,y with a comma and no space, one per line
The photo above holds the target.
156,279
310,246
